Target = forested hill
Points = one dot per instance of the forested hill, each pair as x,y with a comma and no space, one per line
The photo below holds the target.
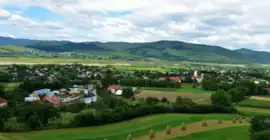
160,50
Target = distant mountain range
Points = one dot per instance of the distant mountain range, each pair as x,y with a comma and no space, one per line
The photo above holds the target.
159,50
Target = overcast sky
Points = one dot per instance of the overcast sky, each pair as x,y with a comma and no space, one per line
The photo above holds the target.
228,23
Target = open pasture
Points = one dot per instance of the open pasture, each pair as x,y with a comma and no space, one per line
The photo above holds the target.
119,131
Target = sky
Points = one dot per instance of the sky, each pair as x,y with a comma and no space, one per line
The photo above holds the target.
228,23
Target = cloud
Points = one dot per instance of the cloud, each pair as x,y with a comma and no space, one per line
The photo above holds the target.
229,23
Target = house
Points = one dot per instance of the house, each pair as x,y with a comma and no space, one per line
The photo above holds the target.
3,102
46,91
176,79
89,100
268,89
162,78
113,88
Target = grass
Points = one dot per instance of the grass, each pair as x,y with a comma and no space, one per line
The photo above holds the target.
249,111
255,103
119,131
159,89
197,90
185,88
231,133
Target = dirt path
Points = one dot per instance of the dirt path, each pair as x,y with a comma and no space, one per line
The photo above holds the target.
192,128
259,98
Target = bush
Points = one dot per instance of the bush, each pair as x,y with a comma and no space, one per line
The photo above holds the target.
168,130
219,121
234,120
204,123
183,127
151,134
129,137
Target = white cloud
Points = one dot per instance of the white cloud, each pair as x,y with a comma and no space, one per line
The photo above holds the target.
229,23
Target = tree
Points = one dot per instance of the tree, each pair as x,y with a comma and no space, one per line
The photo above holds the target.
237,94
2,91
127,93
221,98
259,124
34,122
2,125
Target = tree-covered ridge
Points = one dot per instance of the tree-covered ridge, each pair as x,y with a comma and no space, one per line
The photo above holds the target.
159,50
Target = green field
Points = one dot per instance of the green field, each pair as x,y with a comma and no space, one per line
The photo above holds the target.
187,88
119,131
255,103
232,133
11,49
197,90
249,111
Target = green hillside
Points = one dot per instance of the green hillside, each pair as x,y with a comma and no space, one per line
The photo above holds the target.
148,51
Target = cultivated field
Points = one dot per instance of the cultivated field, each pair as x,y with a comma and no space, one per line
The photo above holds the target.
232,133
138,128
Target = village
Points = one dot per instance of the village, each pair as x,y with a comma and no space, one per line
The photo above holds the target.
42,97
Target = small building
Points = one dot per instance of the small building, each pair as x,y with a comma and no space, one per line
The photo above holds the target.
114,88
3,102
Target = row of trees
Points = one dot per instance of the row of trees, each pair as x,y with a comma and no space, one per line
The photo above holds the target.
149,83
110,110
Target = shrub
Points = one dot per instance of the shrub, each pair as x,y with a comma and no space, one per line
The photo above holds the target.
129,137
183,127
219,121
234,120
204,123
168,130
152,134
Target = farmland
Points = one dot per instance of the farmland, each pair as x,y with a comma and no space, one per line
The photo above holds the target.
232,133
137,127
126,100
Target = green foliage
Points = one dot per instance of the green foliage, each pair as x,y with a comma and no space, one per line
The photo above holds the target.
34,122
2,125
237,94
221,98
128,93
259,124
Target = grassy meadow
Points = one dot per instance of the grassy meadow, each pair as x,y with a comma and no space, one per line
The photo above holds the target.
185,88
118,131
255,103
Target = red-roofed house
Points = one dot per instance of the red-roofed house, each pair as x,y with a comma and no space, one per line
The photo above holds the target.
268,89
3,102
176,79
53,100
114,88
162,78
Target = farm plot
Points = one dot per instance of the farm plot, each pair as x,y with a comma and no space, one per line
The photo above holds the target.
219,134
198,98
192,128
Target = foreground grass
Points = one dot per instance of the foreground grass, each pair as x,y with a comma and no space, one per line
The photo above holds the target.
255,103
231,133
119,131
